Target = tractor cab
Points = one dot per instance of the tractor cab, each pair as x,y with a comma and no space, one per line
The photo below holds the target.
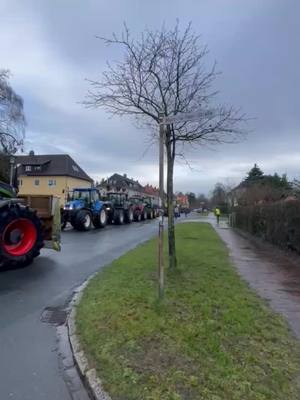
117,199
136,200
82,198
119,208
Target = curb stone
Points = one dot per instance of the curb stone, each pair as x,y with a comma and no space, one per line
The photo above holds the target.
88,374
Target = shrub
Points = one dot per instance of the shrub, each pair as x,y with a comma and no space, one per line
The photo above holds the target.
278,223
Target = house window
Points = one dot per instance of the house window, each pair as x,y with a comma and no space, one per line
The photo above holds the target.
37,168
52,182
36,182
20,182
28,168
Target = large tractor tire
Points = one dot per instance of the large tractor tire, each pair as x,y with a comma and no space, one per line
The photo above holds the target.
100,220
138,217
20,236
82,220
119,217
150,214
129,216
144,214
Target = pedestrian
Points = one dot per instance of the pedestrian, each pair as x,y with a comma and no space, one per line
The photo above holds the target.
176,211
217,214
186,212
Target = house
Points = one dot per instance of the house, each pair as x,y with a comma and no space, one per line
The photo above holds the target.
120,183
52,174
182,200
234,197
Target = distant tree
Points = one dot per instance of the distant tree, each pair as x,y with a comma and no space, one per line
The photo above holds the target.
258,187
163,74
219,197
255,174
192,199
202,201
296,187
12,119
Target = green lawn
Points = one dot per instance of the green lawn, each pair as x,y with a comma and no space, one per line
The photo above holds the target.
210,339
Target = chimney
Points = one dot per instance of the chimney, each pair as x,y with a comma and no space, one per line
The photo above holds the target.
125,175
31,153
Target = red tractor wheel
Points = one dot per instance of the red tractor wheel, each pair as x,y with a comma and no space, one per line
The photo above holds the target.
20,235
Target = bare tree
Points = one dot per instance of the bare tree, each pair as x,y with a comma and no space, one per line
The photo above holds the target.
12,120
163,72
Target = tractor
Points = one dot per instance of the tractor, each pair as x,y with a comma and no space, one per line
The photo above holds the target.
119,208
151,209
84,209
26,225
142,210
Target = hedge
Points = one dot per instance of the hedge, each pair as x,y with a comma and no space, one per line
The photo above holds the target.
278,223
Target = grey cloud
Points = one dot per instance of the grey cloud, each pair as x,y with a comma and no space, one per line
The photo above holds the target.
256,44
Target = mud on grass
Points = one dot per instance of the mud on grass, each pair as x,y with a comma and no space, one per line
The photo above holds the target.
211,338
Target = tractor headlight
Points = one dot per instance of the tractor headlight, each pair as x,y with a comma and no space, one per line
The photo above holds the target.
108,208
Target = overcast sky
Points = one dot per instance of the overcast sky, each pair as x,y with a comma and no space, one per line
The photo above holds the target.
50,48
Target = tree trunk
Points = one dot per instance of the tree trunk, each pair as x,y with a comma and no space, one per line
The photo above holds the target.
171,228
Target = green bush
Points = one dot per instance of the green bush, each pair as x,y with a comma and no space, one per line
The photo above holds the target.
278,223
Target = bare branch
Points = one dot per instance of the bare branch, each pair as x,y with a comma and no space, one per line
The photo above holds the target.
12,120
164,72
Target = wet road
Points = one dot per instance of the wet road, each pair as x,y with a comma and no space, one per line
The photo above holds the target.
29,367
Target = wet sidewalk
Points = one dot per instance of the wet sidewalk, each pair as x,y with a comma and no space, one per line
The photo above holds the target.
272,273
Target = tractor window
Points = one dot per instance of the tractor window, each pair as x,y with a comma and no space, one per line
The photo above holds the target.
135,200
94,195
115,198
81,195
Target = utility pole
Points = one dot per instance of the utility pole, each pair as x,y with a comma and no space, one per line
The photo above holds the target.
11,174
161,283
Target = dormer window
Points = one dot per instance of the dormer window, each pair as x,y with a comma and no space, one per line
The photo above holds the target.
38,168
28,168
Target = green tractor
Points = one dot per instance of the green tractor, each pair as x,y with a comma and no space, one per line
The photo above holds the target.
26,225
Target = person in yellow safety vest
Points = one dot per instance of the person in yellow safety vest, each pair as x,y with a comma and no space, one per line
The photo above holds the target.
217,214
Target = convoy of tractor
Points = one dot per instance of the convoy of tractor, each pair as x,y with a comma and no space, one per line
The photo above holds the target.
30,223
86,208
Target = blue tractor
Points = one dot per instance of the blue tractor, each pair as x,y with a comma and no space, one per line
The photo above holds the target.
84,209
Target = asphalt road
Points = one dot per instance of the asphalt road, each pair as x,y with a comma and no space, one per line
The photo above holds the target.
29,367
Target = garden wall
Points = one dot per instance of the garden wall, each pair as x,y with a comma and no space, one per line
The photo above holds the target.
278,223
